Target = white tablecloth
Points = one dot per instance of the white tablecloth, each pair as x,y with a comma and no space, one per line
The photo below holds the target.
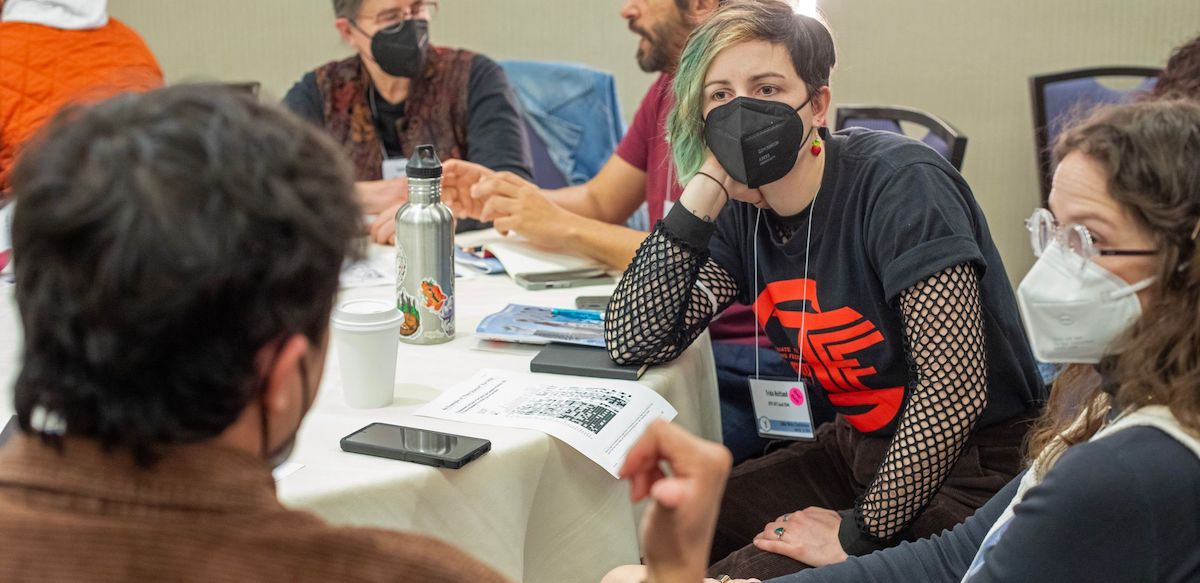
532,507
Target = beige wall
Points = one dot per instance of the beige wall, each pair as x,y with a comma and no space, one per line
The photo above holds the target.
966,60
276,41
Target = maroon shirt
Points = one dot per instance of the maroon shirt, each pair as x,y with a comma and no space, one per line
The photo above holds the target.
645,148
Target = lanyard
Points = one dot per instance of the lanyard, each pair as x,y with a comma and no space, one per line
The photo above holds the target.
803,300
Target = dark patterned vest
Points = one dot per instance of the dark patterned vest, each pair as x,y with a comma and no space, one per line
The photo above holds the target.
435,111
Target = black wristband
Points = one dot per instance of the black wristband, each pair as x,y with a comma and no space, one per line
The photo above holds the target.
719,183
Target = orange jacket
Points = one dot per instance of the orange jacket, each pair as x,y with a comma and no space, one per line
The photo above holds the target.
42,69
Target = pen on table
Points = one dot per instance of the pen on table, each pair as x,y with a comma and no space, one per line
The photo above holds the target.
577,314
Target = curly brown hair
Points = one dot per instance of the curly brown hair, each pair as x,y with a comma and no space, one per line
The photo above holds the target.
1149,151
1181,78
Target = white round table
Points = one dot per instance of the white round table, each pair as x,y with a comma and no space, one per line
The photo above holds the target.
532,507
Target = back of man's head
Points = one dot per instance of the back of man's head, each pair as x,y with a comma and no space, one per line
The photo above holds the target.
161,242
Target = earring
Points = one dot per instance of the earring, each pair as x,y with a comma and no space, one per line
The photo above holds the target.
816,147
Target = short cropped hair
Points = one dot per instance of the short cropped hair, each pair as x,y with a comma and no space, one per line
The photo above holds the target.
347,9
160,241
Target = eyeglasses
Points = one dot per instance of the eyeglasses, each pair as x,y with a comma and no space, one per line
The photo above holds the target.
1044,230
419,10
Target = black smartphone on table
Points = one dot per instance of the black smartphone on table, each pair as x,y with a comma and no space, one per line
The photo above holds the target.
410,444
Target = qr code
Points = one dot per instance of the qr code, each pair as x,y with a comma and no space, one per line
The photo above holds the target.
589,409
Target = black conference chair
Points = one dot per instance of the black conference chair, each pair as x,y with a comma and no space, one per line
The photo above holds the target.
939,134
1060,98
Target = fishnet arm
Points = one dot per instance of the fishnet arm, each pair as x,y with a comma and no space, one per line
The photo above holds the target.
666,298
943,324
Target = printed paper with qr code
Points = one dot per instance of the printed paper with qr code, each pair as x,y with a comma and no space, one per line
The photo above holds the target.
600,418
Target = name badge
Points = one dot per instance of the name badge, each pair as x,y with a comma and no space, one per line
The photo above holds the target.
395,168
782,408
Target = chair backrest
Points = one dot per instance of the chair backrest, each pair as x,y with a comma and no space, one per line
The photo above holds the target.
1061,98
939,134
572,118
546,174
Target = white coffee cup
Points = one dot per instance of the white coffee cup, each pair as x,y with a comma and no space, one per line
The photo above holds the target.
367,336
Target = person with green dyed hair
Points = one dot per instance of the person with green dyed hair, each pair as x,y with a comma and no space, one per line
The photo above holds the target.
871,269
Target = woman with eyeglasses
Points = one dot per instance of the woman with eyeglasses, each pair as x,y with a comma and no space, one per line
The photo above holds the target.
869,265
398,91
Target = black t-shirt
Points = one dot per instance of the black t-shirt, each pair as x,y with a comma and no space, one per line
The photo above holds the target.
495,130
890,213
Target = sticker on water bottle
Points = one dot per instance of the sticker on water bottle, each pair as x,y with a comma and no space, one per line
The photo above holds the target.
411,324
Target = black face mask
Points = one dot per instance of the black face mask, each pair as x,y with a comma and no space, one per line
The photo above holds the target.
400,49
756,141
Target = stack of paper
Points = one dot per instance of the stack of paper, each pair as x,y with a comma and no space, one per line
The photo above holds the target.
541,325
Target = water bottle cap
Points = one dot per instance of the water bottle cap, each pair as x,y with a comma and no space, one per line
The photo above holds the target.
424,163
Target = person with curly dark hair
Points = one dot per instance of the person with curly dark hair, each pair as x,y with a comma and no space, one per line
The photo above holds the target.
177,256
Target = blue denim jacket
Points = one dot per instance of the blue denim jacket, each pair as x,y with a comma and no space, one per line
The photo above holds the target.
574,109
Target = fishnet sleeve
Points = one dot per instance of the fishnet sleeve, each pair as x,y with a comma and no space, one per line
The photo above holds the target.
666,298
943,324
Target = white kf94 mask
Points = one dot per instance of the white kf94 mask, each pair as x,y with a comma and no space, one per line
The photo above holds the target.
1073,308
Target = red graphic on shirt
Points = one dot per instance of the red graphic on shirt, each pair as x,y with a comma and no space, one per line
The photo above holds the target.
832,340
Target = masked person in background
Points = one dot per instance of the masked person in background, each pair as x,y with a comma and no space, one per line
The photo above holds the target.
872,270
399,91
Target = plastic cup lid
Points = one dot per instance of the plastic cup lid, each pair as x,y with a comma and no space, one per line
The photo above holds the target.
366,313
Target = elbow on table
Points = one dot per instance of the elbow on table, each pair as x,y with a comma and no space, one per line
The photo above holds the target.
624,354
639,340
625,351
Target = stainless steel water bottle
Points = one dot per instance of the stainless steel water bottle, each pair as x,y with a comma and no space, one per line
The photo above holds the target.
425,255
